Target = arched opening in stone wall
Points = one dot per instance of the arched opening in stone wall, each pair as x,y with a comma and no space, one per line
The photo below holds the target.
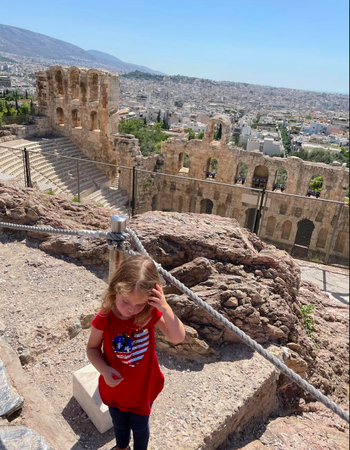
281,178
304,233
322,238
270,226
76,121
212,168
260,177
94,87
60,116
319,217
315,186
206,206
74,84
249,220
241,174
222,210
181,204
217,132
283,209
94,122
286,230
154,203
236,213
59,84
340,242
184,162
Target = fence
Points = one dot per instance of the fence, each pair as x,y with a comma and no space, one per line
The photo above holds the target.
311,228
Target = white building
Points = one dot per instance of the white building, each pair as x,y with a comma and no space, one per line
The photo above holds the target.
246,131
254,144
316,127
271,147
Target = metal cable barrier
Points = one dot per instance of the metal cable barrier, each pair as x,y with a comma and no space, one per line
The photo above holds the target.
118,241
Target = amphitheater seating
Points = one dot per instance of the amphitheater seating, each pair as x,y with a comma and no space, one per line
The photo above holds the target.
51,170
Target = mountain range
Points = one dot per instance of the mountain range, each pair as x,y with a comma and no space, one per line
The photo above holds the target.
19,41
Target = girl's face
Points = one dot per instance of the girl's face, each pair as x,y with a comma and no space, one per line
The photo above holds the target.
131,304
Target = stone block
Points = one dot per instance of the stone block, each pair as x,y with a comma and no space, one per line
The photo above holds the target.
85,391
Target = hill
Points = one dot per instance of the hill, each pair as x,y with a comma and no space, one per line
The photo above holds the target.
27,43
127,67
19,41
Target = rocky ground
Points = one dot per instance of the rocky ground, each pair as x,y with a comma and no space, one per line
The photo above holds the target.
49,294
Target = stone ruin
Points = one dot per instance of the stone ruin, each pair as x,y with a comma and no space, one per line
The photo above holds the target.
83,105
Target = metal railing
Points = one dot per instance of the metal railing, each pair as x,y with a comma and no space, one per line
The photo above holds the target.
139,190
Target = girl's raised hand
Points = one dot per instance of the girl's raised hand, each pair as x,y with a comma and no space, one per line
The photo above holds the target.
158,299
112,377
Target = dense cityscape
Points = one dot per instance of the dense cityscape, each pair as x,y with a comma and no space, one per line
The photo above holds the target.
273,120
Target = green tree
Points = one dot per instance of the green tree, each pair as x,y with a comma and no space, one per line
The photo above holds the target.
150,138
322,155
191,133
158,117
165,125
200,135
8,109
218,133
24,109
316,183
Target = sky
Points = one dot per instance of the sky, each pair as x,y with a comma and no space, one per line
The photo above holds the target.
299,44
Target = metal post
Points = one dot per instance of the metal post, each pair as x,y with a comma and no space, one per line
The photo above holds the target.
134,190
26,165
130,192
118,225
193,202
256,215
78,176
260,223
333,234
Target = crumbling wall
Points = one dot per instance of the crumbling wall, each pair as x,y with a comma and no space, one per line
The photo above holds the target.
81,104
287,220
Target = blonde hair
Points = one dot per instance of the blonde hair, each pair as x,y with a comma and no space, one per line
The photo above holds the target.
135,273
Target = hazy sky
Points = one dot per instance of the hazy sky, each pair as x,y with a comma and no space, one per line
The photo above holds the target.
299,44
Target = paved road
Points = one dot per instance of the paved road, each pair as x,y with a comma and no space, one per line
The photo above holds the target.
329,279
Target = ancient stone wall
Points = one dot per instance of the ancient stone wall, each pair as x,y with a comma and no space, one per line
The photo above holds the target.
39,127
287,221
82,104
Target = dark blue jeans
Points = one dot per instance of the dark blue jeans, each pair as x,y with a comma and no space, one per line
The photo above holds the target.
124,422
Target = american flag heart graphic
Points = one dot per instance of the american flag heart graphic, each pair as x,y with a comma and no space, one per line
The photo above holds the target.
130,350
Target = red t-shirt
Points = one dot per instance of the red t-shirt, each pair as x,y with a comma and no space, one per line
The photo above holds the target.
130,349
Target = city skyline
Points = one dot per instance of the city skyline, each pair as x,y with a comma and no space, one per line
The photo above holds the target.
305,48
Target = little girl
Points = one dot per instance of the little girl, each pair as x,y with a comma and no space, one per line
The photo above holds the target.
122,347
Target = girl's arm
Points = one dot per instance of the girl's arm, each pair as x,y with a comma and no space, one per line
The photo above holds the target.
112,377
170,325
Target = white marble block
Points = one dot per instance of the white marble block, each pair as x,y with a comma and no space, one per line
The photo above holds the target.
85,391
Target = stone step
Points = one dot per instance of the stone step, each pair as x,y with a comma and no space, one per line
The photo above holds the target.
201,410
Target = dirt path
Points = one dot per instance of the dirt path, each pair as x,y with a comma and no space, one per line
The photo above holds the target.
44,301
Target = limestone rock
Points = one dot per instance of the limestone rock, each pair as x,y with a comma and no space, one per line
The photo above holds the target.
75,328
192,348
18,437
25,356
9,400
